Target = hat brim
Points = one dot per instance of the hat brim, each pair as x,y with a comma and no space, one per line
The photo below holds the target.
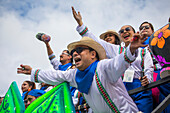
103,35
90,43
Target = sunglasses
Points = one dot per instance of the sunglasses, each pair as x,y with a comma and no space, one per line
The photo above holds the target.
146,27
122,30
80,49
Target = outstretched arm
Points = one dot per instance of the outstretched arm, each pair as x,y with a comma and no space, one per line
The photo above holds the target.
111,49
53,77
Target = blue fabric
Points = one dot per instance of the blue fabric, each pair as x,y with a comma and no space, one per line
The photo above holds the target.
36,92
84,78
64,67
72,89
23,94
146,42
143,99
164,92
44,88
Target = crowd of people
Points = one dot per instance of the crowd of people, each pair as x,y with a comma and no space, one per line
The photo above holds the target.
102,70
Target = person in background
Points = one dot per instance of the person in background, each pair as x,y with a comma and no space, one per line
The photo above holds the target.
32,95
111,36
65,58
27,86
146,29
65,62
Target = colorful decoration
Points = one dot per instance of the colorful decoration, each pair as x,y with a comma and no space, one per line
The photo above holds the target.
160,45
12,102
57,100
159,36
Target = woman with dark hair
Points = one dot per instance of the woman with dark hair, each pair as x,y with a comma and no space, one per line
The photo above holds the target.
111,36
27,86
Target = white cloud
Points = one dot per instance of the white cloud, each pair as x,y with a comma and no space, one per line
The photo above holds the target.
20,21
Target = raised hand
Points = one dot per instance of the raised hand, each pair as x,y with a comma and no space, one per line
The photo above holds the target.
137,42
24,69
77,16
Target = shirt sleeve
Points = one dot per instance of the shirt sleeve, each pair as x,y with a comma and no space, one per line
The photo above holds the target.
111,49
54,77
54,62
148,66
113,69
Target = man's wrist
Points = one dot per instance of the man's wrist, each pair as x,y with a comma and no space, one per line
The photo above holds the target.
80,23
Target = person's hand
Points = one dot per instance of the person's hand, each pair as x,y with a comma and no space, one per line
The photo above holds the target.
24,69
137,42
144,80
77,16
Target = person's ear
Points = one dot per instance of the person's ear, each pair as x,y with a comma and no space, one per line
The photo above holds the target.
70,57
93,54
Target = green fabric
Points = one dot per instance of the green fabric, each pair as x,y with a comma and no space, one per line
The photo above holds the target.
12,102
57,100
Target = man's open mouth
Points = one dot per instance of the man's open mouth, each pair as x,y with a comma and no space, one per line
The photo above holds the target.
77,60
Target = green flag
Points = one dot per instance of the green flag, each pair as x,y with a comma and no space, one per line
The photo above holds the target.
57,100
12,102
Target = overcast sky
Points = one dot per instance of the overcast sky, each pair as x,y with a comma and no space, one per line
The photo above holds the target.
21,20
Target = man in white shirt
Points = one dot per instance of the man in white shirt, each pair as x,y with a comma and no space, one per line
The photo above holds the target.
99,81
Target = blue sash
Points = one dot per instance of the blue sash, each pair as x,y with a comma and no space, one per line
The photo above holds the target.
84,78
